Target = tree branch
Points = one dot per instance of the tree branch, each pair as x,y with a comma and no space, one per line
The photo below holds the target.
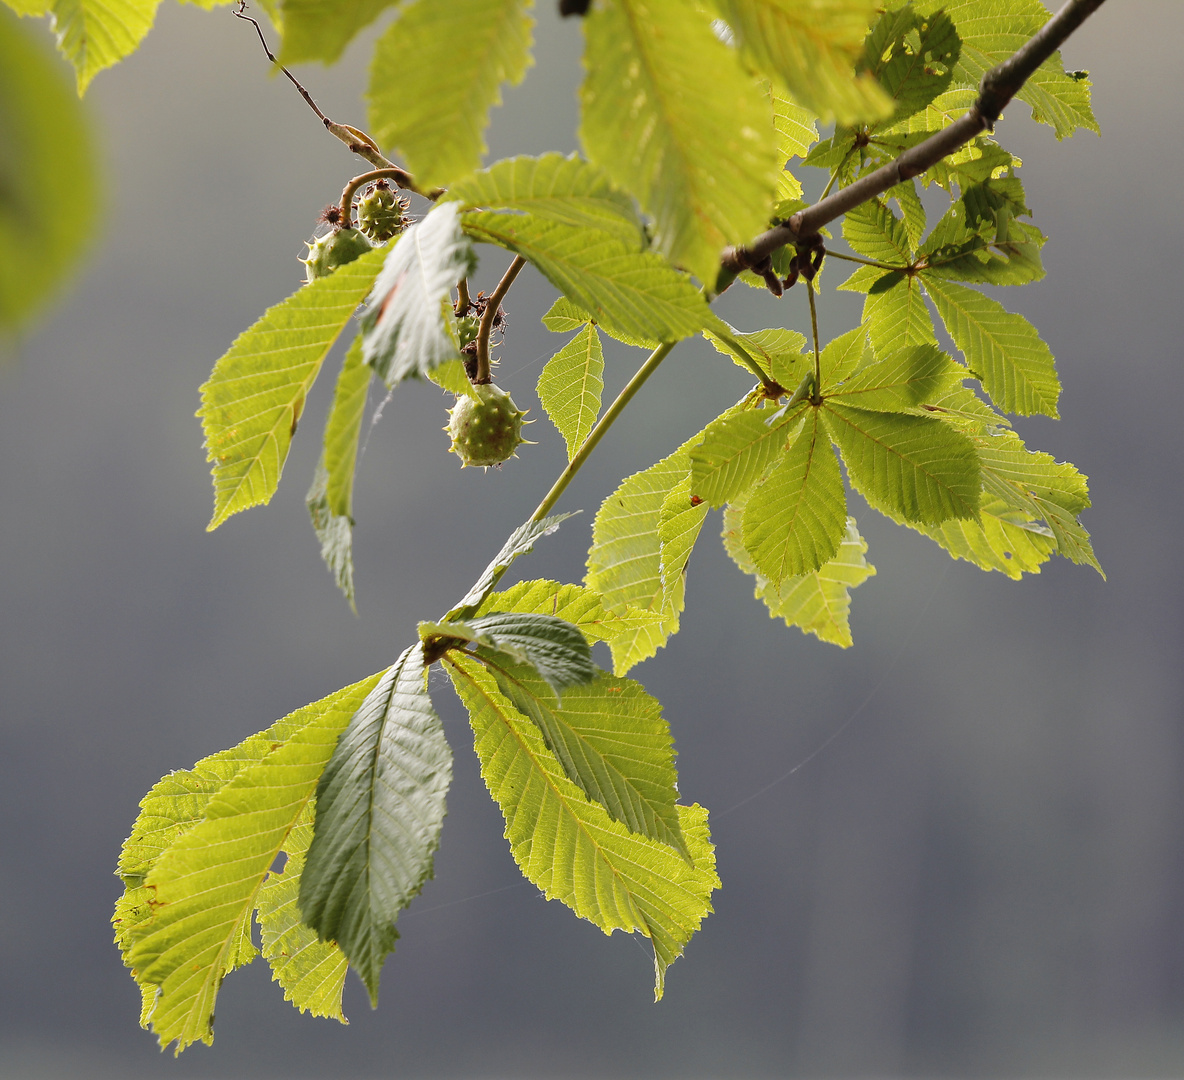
998,87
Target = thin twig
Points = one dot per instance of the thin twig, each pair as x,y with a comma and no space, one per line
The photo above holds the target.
998,87
463,303
357,140
814,330
351,189
601,426
866,262
487,317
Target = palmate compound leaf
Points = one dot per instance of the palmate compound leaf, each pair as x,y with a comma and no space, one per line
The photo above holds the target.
1002,349
673,118
570,386
991,31
311,971
636,294
574,604
330,499
45,138
553,648
812,49
797,516
380,807
567,190
456,56
611,739
405,329
519,542
570,847
95,34
256,392
920,468
205,885
817,603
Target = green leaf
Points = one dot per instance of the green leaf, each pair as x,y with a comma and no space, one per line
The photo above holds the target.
519,542
736,451
405,332
796,133
625,559
454,56
574,604
451,376
321,29
95,34
570,386
920,468
611,739
679,522
1004,539
912,210
331,497
567,190
45,138
797,129
256,392
205,885
844,356
979,238
913,57
311,971
777,351
696,149
817,603
1041,488
634,294
553,647
901,381
877,233
380,806
895,314
563,317
570,847
991,31
796,517
813,50
1002,349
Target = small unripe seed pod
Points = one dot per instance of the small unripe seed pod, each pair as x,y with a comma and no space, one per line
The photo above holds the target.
328,252
485,430
382,214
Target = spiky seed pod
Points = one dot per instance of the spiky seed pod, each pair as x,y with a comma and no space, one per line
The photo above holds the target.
382,214
466,329
328,252
485,430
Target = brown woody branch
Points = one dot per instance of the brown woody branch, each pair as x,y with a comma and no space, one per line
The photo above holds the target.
998,87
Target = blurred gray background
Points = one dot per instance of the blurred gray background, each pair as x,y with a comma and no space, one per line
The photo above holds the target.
980,873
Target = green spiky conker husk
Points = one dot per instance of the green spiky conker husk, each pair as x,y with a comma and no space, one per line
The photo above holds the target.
466,329
381,214
328,252
486,430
